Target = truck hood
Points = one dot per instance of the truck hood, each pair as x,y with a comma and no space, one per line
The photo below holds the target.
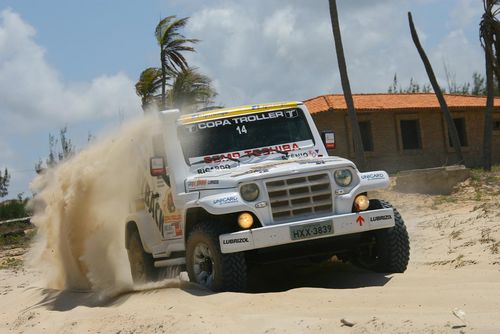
230,178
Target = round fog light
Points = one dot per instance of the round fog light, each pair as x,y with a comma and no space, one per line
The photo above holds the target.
245,220
361,203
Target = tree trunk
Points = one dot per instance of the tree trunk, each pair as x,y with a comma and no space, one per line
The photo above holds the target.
452,130
495,60
488,119
163,78
346,87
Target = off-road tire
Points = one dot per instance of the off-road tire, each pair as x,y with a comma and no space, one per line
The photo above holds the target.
141,263
229,270
391,251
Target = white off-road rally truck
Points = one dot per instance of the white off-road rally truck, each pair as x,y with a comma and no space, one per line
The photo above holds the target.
226,189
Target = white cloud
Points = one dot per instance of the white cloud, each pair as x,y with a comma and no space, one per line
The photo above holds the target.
33,93
467,12
460,57
269,50
36,100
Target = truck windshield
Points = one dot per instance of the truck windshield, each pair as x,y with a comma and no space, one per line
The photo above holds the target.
239,134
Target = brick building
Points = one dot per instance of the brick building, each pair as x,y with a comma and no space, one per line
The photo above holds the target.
407,131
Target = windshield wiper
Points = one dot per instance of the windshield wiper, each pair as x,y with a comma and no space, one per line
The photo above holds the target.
232,159
251,153
282,152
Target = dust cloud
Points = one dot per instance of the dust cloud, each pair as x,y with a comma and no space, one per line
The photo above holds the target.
80,209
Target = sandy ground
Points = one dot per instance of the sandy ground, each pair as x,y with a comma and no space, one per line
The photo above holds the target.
454,267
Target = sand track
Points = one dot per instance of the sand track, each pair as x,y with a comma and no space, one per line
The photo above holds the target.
455,264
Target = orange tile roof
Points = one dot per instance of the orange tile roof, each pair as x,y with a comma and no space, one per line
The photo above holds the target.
384,101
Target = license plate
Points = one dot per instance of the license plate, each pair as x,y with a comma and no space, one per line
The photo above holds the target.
312,230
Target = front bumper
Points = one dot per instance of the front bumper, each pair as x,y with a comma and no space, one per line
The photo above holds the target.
275,235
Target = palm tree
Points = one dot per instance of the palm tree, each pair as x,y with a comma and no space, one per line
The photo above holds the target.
172,43
190,90
346,87
489,34
147,87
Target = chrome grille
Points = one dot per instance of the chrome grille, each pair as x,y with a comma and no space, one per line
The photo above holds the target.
300,196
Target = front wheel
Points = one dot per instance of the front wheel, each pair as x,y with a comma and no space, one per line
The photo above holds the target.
389,251
207,266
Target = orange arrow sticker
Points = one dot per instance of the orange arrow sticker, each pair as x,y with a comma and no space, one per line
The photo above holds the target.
360,220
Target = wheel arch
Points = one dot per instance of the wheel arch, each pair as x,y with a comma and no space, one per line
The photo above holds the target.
130,227
148,231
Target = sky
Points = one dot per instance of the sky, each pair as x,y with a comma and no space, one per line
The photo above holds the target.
75,63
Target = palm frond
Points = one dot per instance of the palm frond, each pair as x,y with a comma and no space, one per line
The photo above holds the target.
191,89
149,84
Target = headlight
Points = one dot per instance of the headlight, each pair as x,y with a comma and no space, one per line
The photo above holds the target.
343,177
249,192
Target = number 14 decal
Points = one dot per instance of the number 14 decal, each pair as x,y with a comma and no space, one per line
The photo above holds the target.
241,129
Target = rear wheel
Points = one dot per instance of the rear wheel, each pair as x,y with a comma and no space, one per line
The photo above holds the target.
141,263
388,250
207,266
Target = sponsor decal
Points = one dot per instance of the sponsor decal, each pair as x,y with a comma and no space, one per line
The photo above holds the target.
176,218
235,241
225,200
151,199
360,220
214,124
170,203
292,113
261,205
304,154
372,176
253,152
197,183
204,170
242,120
213,181
299,155
172,219
221,157
257,152
172,230
377,218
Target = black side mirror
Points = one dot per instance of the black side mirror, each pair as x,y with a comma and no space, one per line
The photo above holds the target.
328,138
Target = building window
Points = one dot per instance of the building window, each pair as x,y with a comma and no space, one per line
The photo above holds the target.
496,125
365,128
461,130
410,134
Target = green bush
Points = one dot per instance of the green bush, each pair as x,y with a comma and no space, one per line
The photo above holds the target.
15,208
